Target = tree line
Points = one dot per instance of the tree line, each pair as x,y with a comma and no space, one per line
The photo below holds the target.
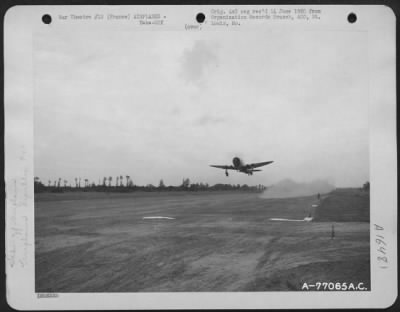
125,184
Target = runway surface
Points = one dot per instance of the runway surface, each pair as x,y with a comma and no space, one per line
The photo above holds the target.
96,242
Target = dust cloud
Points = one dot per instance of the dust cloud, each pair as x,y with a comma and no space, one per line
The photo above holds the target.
289,188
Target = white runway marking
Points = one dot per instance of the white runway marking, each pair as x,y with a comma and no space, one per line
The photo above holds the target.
159,217
292,220
280,219
315,205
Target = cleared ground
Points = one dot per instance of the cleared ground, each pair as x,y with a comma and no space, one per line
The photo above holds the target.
352,203
98,242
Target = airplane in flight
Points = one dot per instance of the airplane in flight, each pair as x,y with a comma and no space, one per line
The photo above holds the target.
240,166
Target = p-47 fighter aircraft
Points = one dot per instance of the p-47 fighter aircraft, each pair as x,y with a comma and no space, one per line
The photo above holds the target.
240,166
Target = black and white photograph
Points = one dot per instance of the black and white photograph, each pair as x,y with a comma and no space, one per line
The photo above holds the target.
127,125
208,158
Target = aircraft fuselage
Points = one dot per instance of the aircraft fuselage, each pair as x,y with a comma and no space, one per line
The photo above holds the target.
240,166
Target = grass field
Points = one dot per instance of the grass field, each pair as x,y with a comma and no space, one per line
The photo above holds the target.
99,242
353,204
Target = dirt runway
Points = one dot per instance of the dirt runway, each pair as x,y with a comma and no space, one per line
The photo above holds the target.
96,242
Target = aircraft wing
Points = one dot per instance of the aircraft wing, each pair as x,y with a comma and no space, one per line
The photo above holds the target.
256,165
222,167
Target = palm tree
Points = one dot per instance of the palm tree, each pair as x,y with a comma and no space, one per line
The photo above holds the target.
109,181
186,183
120,180
116,184
79,184
65,183
127,181
49,183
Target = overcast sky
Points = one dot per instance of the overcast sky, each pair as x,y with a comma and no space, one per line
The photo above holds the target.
168,104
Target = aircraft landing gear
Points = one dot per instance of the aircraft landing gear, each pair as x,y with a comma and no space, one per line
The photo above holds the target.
226,173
